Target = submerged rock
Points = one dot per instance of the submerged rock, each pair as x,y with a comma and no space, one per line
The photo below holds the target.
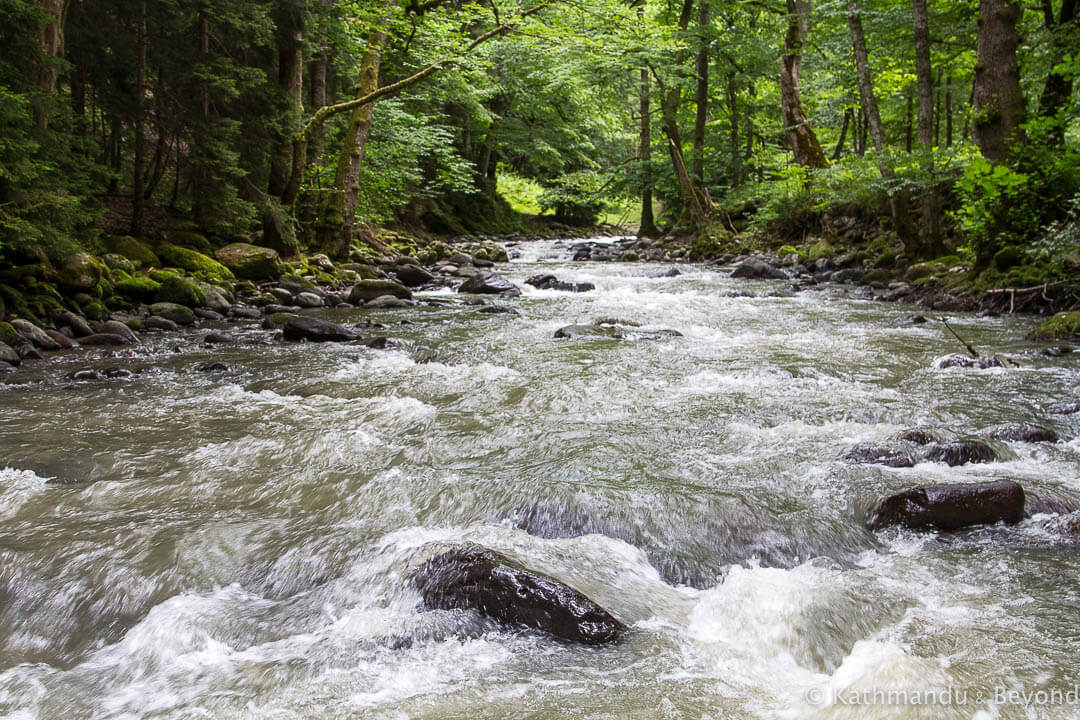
311,329
758,269
960,452
488,283
471,578
550,282
1023,432
1064,408
963,361
880,455
104,339
614,332
950,507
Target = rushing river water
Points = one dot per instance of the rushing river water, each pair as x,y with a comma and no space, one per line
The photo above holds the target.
238,545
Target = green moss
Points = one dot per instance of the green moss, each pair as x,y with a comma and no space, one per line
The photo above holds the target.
245,287
162,274
296,279
8,334
821,249
171,311
189,239
202,266
182,292
138,287
137,252
877,275
786,250
1007,257
325,279
96,310
920,271
251,262
1063,326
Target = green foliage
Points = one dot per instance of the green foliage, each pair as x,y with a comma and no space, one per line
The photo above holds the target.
576,198
522,193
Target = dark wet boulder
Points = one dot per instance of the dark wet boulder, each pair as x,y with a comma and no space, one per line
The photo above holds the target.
1066,527
179,314
1064,408
60,339
880,455
210,367
78,324
412,275
757,269
1023,432
244,312
308,300
912,320
367,290
498,310
488,283
104,339
1044,502
950,507
387,302
34,335
960,452
614,332
218,338
496,587
669,273
115,327
109,373
208,314
311,329
920,436
963,361
8,355
159,324
550,282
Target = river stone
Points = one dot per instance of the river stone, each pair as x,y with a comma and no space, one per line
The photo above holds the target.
8,355
159,323
1047,502
1064,408
35,335
79,326
920,436
496,587
212,367
964,361
950,507
312,329
669,273
1066,526
1023,432
244,312
115,327
488,283
61,339
181,291
367,290
217,299
179,314
308,300
757,269
81,273
207,314
387,302
498,310
614,332
550,282
104,339
960,452
412,275
251,262
880,455
218,338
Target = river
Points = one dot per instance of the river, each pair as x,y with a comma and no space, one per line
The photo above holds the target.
182,544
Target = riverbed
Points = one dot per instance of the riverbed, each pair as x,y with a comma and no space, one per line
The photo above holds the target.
238,544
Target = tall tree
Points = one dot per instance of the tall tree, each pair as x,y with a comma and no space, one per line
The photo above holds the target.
999,101
701,96
804,142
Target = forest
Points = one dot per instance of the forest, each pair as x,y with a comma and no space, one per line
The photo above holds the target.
915,131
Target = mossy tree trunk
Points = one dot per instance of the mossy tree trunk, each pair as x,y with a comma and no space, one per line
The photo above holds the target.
804,142
999,101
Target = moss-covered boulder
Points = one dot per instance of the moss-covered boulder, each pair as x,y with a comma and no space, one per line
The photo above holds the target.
171,311
83,273
137,252
182,292
95,310
160,275
1063,326
251,262
1008,257
138,287
366,290
189,239
202,266
9,335
117,262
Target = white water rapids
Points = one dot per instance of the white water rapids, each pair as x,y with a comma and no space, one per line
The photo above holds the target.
237,545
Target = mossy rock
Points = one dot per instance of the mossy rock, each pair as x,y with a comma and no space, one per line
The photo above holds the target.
921,271
160,275
137,252
877,275
490,251
202,266
886,259
23,274
138,287
786,250
9,335
366,290
245,287
1007,257
325,279
251,262
629,256
118,263
363,271
1063,326
821,249
182,292
96,310
179,314
189,239
298,280
82,273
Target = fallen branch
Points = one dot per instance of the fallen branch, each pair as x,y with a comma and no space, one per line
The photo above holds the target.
971,350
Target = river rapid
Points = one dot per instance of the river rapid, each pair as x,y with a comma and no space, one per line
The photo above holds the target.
182,544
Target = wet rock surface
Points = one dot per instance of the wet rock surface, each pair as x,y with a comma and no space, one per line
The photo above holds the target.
472,578
950,507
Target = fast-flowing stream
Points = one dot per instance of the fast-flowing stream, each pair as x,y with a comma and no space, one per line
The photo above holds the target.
182,544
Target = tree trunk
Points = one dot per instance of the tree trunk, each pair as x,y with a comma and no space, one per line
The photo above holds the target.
137,182
692,209
338,213
290,38
733,131
51,41
948,109
804,143
843,135
647,226
701,97
923,72
999,102
930,207
866,87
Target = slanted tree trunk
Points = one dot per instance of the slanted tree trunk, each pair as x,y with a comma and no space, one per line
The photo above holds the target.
804,142
338,212
701,97
843,135
647,226
290,39
999,102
